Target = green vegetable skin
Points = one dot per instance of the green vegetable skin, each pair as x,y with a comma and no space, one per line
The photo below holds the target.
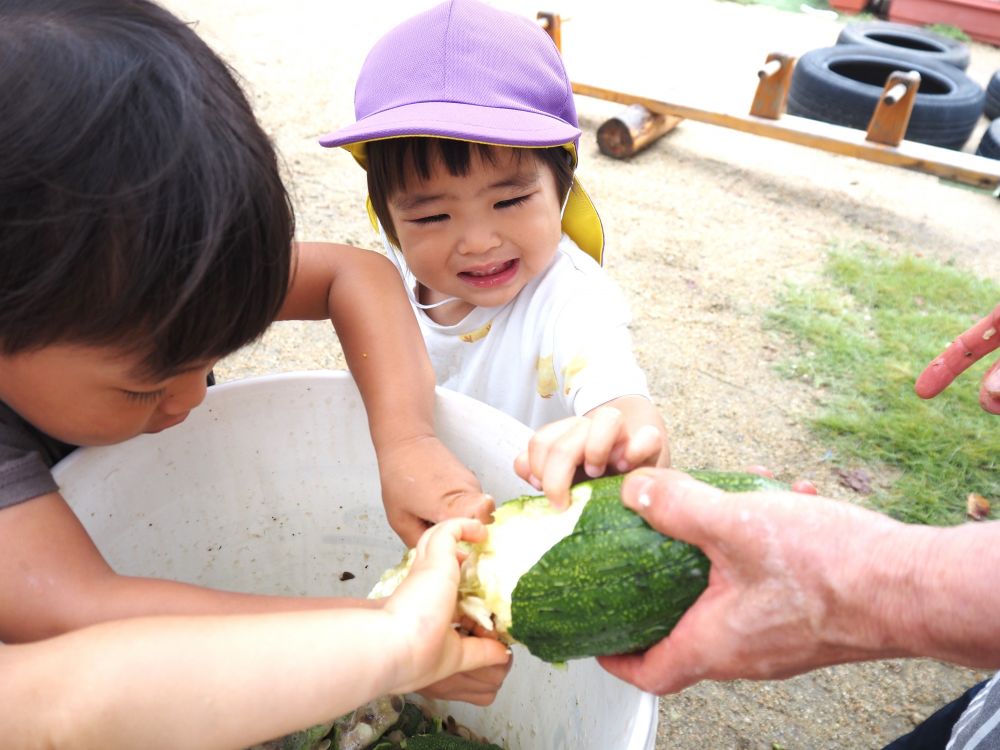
608,584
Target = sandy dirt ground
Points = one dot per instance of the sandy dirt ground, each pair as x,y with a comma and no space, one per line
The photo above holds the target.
703,229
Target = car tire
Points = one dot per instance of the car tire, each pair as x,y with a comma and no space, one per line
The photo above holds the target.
992,107
843,84
989,146
889,37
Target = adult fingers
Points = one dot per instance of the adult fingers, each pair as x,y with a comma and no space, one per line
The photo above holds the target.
989,391
654,670
675,504
970,346
802,486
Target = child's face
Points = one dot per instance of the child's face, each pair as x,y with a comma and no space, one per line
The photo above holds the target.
85,395
480,237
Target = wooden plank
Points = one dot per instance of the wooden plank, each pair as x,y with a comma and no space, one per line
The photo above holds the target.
952,165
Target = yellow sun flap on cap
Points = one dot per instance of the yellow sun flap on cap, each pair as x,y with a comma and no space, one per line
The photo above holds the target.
580,219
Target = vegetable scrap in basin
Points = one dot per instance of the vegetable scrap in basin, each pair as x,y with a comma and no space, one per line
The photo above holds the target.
386,723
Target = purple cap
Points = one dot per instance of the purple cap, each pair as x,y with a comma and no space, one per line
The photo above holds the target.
468,71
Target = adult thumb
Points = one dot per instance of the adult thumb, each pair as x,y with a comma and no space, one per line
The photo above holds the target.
673,503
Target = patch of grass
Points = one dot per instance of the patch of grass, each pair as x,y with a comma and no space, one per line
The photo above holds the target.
863,336
946,29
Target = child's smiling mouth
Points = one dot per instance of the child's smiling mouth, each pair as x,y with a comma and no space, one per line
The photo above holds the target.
491,275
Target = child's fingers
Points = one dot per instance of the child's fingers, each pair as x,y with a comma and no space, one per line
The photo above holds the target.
476,505
479,653
544,441
970,346
606,430
642,448
553,454
439,544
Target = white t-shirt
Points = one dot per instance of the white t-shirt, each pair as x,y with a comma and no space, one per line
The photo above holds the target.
560,348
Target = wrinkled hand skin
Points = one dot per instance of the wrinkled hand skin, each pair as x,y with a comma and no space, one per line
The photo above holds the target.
971,346
780,599
423,483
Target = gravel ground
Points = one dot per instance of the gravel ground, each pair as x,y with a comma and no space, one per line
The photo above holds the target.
703,228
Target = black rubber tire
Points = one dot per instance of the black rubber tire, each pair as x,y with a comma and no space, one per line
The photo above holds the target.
890,37
989,146
992,107
842,85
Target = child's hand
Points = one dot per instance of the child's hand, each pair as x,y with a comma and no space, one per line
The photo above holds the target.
478,687
601,441
424,606
423,483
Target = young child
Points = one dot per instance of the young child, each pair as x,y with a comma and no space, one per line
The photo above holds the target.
145,233
467,129
236,680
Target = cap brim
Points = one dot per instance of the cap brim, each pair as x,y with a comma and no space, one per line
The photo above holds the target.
467,122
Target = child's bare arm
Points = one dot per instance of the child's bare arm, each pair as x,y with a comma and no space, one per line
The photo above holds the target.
232,681
616,437
53,579
361,292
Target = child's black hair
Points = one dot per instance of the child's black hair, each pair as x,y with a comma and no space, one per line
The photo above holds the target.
390,160
141,205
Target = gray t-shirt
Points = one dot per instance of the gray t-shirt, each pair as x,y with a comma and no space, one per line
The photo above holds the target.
26,458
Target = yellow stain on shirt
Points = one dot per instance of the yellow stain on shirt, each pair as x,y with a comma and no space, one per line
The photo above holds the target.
547,383
479,333
577,365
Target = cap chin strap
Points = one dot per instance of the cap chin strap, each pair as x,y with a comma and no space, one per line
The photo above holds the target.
409,280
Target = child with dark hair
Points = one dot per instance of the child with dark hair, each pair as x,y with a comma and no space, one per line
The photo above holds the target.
467,128
145,233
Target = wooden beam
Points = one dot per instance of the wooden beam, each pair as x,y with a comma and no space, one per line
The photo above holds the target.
951,165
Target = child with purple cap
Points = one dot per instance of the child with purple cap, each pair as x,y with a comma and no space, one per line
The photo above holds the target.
467,128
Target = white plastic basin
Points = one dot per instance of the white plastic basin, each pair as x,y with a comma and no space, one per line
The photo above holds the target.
271,486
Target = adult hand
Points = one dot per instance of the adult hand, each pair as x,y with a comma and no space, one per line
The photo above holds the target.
424,605
971,346
778,597
423,483
802,486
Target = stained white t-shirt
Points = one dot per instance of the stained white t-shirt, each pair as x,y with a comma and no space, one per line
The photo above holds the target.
560,348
